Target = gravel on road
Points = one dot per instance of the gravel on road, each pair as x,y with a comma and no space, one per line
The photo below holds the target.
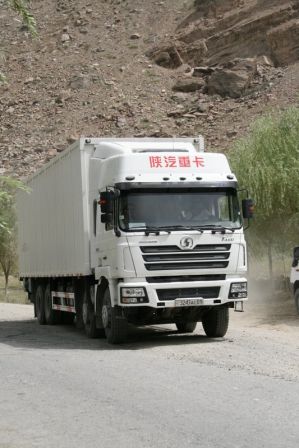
59,388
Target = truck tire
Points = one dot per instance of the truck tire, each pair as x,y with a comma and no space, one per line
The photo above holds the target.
88,315
215,322
186,327
297,300
51,316
40,305
115,325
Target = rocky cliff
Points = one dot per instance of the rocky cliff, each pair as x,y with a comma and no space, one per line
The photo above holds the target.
142,68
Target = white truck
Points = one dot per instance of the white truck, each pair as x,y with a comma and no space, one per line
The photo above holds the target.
294,279
140,231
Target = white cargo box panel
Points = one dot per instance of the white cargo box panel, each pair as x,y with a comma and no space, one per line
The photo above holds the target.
54,217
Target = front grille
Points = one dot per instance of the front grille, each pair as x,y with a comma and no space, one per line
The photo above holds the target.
179,257
199,247
188,293
186,278
179,266
205,256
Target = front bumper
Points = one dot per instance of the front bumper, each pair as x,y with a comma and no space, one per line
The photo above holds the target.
171,295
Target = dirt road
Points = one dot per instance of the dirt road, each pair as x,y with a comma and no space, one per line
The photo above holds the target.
59,388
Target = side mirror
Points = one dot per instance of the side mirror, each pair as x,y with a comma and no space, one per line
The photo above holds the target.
296,257
247,208
106,204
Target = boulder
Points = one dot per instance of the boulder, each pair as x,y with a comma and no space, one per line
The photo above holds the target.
163,58
233,79
202,71
167,56
189,85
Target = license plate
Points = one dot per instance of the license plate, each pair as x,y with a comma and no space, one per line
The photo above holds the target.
188,302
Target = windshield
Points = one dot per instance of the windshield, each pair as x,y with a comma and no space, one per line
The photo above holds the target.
170,209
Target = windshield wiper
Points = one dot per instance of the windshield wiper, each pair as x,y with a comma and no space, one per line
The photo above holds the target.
216,228
180,227
147,230
150,229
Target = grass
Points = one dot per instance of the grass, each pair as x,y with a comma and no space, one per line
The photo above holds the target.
16,293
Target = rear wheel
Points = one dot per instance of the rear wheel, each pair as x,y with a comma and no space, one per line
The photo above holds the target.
186,327
40,305
115,325
51,316
297,300
215,322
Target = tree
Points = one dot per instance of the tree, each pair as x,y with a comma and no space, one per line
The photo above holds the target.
8,257
267,163
21,8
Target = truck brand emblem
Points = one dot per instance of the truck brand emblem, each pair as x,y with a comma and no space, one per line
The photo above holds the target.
186,243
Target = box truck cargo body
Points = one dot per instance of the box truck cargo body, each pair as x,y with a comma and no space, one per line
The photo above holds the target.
142,231
54,219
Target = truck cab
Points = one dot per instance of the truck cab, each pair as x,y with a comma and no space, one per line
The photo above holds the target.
168,237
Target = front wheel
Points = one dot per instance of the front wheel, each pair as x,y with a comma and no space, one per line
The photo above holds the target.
186,327
88,316
215,322
114,324
297,300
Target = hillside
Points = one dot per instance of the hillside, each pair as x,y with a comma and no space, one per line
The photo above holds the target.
125,67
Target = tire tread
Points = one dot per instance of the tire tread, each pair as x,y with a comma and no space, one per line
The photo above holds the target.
215,322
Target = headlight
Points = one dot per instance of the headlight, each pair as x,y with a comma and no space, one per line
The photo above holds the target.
133,295
238,290
132,292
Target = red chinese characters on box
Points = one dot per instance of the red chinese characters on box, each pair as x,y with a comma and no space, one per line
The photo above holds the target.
176,161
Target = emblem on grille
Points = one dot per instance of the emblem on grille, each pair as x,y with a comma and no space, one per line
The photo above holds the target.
186,243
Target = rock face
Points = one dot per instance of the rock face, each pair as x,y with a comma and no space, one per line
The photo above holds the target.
218,31
214,8
87,75
284,42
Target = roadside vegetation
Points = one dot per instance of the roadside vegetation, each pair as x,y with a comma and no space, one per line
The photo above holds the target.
8,228
267,163
15,293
